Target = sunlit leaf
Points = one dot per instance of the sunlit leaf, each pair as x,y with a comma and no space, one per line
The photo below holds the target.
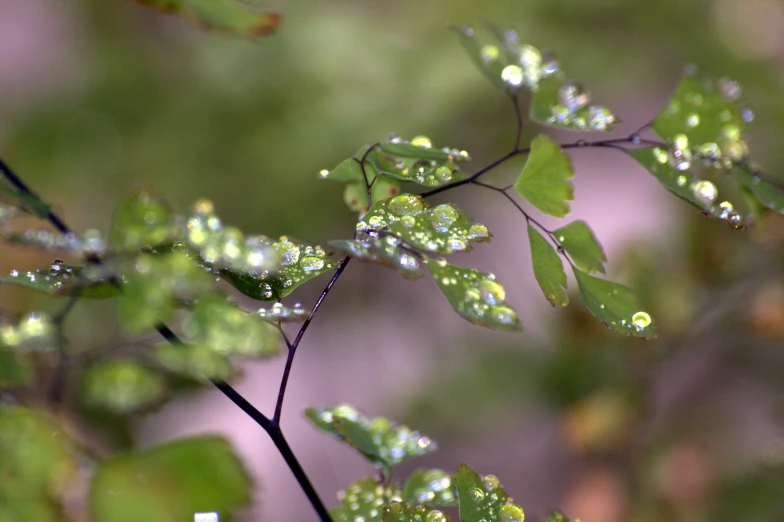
364,498
769,194
61,280
701,193
122,387
486,56
170,482
298,264
475,295
431,487
548,269
142,221
229,16
217,324
282,314
194,361
544,181
615,305
384,250
355,194
34,451
706,111
567,105
582,246
153,285
403,512
14,370
347,170
483,498
443,229
380,441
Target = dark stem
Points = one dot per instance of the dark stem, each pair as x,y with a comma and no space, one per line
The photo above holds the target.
292,347
57,387
23,188
520,122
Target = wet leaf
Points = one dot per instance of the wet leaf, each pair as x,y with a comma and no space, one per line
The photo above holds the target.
582,246
194,361
548,269
298,264
615,305
61,280
403,512
142,221
382,442
486,56
701,193
431,487
282,314
384,250
122,387
475,295
364,498
443,229
170,482
229,16
217,324
557,516
35,452
14,371
704,110
483,498
544,181
767,193
425,172
154,284
355,194
566,105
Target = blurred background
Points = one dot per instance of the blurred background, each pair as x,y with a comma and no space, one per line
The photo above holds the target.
99,98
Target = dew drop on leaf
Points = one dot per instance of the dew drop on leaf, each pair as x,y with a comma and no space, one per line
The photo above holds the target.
641,320
512,75
705,192
573,96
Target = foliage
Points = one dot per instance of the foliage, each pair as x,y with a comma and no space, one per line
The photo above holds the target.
162,267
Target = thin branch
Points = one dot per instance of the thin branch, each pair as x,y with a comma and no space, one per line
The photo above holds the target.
368,184
57,387
20,185
520,121
294,344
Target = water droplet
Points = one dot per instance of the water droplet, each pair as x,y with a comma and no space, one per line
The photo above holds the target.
600,118
660,155
14,273
729,89
573,96
323,173
512,75
747,115
491,482
311,263
641,320
489,53
550,63
511,513
422,141
435,516
735,220
709,151
682,180
443,216
288,252
491,292
444,174
680,158
693,120
476,494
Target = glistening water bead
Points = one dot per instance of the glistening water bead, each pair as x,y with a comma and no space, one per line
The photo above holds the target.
705,192
641,320
512,75
573,96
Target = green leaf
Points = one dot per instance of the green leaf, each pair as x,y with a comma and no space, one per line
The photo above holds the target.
557,516
582,246
545,178
36,332
347,170
170,482
355,194
475,295
14,370
355,197
194,361
443,229
143,221
61,280
705,111
365,498
566,105
227,16
382,442
384,250
38,207
431,487
217,324
419,147
402,512
154,284
421,164
34,451
770,195
701,193
298,264
487,57
548,269
483,498
615,305
21,503
122,387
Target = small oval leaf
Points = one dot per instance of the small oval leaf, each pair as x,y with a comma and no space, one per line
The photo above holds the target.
548,269
122,387
582,246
